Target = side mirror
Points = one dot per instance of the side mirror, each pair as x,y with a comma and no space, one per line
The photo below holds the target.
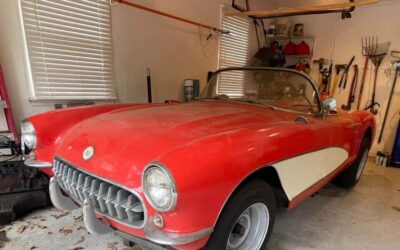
325,112
328,107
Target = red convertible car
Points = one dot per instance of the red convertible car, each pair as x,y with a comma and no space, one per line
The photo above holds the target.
205,174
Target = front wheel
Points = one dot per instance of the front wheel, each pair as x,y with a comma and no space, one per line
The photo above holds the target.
352,175
247,220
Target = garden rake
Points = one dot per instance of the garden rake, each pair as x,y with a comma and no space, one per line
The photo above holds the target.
376,52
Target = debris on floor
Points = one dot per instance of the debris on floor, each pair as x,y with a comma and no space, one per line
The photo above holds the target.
65,231
82,239
78,218
60,214
21,229
77,248
39,217
112,246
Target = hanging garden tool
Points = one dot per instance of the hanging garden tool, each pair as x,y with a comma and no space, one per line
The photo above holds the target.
353,88
338,68
365,70
376,52
343,80
397,70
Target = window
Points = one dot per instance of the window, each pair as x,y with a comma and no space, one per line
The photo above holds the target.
69,48
233,52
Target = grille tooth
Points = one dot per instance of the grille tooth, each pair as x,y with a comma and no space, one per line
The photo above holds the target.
86,186
79,188
120,207
74,183
102,196
94,191
108,199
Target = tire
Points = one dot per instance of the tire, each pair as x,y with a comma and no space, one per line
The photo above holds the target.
254,205
350,177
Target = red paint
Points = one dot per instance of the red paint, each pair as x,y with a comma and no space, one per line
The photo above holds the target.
210,147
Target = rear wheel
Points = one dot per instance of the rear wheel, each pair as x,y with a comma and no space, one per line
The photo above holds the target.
247,220
352,175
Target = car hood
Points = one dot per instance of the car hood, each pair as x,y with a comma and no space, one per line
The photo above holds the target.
128,139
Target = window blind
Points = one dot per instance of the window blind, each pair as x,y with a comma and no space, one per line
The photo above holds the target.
69,48
233,52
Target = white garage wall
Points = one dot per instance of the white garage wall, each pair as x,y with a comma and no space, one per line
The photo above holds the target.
172,50
382,20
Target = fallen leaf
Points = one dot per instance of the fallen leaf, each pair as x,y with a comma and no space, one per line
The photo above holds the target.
33,247
79,228
60,214
397,208
78,218
5,228
39,218
21,229
111,246
132,248
82,239
77,248
65,231
33,225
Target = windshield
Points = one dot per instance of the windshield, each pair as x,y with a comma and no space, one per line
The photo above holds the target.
279,88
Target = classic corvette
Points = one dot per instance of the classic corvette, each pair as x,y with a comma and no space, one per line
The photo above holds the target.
205,174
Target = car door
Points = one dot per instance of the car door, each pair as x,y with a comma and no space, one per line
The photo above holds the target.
343,134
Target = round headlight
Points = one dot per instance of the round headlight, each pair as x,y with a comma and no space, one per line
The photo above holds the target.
159,188
28,135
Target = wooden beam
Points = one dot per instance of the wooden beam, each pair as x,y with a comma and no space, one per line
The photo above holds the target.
302,9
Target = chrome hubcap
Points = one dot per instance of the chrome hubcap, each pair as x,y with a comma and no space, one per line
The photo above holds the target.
361,166
250,228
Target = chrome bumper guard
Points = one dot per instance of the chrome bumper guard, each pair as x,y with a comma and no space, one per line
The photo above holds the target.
97,227
32,162
156,235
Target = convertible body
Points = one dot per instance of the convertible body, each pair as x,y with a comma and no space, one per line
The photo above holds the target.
97,156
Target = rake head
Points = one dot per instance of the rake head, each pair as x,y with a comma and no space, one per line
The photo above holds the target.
374,50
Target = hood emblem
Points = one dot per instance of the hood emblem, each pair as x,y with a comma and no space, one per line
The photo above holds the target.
88,153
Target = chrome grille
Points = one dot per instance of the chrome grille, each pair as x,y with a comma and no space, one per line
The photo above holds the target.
108,199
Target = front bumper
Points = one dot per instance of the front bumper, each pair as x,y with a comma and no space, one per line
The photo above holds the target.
97,226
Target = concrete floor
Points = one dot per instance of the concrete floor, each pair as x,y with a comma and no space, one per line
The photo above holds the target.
367,217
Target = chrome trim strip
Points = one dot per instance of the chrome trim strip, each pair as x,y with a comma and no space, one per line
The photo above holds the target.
94,225
58,199
32,162
158,236
116,184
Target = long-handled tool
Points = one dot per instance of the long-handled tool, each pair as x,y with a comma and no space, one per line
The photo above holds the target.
376,53
326,76
397,65
338,68
352,93
360,95
149,93
343,80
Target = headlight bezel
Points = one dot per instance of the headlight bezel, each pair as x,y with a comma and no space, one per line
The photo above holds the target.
27,129
174,193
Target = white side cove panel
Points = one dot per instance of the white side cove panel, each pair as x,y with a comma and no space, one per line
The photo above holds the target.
299,173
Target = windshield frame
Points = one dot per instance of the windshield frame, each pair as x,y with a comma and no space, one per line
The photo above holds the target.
307,77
